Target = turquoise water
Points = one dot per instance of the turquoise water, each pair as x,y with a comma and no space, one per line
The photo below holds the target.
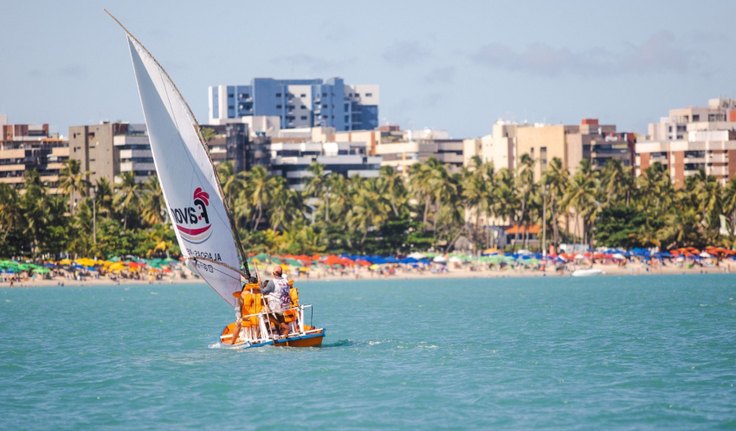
648,352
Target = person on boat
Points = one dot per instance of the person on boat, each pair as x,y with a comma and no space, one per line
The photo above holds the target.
277,293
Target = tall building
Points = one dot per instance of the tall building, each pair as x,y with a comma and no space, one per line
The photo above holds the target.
692,139
296,103
25,147
107,150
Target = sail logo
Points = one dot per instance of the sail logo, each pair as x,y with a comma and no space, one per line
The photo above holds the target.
193,223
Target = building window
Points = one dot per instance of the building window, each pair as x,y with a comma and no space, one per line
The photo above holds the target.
302,95
368,94
278,94
278,106
303,117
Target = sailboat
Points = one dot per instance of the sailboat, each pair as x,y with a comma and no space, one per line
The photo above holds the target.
201,219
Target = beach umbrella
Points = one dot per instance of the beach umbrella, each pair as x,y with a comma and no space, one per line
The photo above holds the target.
618,256
332,260
416,255
439,259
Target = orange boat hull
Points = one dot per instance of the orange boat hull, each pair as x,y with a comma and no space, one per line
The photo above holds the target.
314,341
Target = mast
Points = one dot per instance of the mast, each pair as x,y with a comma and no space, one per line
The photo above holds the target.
198,130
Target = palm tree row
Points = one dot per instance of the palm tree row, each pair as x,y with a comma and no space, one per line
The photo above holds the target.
428,207
84,219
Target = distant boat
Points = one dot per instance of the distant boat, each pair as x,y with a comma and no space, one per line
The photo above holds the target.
587,272
201,219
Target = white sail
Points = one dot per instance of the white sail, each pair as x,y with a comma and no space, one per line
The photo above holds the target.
188,179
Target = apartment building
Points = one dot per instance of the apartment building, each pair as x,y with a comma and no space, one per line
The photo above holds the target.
588,140
296,103
25,147
692,139
293,151
232,143
401,149
108,150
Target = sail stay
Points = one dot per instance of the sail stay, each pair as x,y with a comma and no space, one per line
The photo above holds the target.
188,179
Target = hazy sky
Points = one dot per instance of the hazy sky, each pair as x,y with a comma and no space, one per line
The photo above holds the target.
456,65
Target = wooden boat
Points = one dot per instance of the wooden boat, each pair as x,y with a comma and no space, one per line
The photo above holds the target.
200,216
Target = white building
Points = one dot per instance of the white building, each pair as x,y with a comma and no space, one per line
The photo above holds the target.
692,139
293,151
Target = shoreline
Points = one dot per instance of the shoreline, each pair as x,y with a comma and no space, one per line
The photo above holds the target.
461,273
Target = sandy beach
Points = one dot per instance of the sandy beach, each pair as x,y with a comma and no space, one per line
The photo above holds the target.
398,273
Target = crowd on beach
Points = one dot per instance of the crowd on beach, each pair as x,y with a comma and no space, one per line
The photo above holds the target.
341,267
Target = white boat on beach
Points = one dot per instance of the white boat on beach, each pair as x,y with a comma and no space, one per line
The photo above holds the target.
587,272
202,221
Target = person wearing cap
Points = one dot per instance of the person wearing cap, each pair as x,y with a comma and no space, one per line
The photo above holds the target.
277,294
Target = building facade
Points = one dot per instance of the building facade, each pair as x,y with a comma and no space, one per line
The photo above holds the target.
108,150
588,140
292,152
692,139
232,143
25,147
401,149
296,103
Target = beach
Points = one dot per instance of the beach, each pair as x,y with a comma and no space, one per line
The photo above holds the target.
397,272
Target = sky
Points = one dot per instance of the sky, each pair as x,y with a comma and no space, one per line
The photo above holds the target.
458,66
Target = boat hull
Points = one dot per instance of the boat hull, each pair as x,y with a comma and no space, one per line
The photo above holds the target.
307,340
312,338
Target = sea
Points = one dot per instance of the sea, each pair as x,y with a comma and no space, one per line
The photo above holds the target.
629,352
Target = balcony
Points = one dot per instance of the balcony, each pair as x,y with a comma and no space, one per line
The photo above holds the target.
133,166
122,140
718,171
135,154
717,158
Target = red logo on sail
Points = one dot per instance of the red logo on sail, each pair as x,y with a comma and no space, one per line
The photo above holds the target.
193,223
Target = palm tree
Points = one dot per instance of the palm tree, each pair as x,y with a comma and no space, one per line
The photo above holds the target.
729,210
581,196
617,182
9,212
506,197
103,197
477,186
127,197
391,184
525,188
34,210
153,206
232,182
555,180
420,185
654,198
73,182
317,188
258,193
